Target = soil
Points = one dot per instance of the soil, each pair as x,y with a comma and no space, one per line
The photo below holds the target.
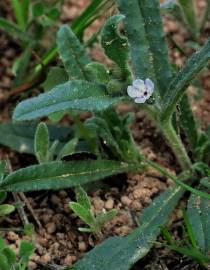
58,241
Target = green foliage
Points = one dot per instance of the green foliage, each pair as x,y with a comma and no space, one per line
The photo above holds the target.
41,143
150,59
190,17
5,209
83,209
182,80
195,243
122,252
114,132
72,53
187,12
9,260
74,95
198,212
61,174
114,44
55,76
97,72
188,123
68,149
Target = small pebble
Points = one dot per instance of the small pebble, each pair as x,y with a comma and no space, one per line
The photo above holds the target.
51,228
109,204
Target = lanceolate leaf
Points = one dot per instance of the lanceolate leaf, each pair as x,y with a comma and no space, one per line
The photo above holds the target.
148,48
114,44
76,95
72,53
190,16
139,45
41,142
179,84
122,252
61,174
198,211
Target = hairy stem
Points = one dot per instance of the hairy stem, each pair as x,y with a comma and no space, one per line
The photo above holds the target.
176,145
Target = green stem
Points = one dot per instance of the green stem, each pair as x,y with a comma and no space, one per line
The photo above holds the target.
175,143
180,180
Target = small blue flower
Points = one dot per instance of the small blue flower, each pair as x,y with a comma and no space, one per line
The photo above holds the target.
141,90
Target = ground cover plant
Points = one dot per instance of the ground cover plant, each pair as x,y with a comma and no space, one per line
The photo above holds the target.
141,74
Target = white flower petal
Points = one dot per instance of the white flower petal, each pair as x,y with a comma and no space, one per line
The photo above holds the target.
141,99
132,92
138,83
150,85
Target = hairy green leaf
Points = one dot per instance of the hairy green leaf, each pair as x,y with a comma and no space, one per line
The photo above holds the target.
188,122
72,53
184,77
55,76
68,149
41,142
114,44
198,211
61,174
83,213
82,198
74,95
97,72
148,48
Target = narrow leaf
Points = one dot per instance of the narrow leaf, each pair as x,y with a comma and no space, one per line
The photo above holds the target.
72,53
19,13
149,52
61,174
83,213
82,198
68,149
198,211
41,142
183,79
188,122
